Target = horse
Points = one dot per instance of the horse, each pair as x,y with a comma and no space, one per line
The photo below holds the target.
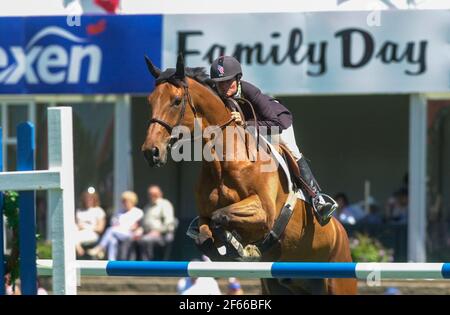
234,195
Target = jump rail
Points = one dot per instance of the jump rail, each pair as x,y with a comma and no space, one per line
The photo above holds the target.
257,269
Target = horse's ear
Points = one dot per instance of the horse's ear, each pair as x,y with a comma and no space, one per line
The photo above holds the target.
152,68
180,67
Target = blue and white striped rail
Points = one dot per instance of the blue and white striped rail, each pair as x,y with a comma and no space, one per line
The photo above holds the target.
257,269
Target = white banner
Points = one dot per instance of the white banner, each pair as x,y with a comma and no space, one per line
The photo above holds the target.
321,53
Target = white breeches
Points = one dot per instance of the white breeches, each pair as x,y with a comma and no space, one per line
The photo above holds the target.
85,237
287,138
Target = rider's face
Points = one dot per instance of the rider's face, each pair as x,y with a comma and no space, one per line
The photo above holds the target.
227,88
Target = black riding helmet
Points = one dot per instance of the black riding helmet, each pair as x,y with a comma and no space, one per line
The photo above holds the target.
225,68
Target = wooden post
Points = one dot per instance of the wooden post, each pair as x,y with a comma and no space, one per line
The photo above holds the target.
2,241
417,179
27,213
61,201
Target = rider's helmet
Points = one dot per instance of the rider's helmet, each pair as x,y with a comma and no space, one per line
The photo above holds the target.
225,68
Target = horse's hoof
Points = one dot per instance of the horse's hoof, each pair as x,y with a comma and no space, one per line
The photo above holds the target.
220,220
252,253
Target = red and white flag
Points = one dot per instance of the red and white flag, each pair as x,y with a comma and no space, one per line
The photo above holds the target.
110,6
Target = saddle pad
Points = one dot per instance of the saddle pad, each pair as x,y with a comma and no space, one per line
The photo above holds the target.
281,162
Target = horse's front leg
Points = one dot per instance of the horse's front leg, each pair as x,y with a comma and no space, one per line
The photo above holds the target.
205,241
247,217
204,230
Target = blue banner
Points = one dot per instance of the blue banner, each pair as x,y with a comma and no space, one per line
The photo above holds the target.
104,54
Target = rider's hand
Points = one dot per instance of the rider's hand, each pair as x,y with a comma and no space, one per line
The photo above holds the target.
237,118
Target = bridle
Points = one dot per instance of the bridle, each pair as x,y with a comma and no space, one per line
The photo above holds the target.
187,99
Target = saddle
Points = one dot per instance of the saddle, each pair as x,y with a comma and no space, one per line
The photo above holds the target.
294,170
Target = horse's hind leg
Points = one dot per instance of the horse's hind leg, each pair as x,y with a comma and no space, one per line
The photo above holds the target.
294,286
342,286
306,286
274,287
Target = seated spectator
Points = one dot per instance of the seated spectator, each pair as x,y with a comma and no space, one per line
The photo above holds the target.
158,224
90,220
346,213
123,225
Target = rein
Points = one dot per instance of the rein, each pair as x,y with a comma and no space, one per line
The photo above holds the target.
255,119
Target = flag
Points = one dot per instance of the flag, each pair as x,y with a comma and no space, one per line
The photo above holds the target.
110,6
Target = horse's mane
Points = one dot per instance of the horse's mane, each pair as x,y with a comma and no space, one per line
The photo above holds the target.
198,74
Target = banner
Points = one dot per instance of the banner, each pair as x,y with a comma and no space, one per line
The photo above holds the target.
321,53
282,53
103,54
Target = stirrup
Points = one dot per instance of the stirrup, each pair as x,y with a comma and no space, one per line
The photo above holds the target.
324,218
193,230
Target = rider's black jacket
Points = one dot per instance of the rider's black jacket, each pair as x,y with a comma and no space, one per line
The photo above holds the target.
269,111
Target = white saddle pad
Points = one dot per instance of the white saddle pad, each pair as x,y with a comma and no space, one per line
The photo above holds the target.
281,162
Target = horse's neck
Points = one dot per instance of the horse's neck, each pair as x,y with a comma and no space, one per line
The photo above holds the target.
238,146
209,105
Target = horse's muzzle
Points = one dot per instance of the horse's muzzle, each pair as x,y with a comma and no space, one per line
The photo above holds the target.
153,157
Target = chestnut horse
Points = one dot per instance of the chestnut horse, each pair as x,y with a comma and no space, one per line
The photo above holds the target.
235,194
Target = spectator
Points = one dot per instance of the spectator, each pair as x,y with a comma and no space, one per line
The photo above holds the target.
13,291
346,213
90,220
392,291
123,225
399,209
234,287
203,286
184,284
391,203
158,225
198,286
9,288
373,217
41,290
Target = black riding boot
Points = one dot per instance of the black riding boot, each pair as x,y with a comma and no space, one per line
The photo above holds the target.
323,209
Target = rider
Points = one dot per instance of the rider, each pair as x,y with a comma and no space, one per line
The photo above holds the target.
226,72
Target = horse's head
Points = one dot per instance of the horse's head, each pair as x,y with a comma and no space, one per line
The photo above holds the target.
171,106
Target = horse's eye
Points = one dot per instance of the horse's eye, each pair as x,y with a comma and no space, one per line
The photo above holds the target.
177,101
